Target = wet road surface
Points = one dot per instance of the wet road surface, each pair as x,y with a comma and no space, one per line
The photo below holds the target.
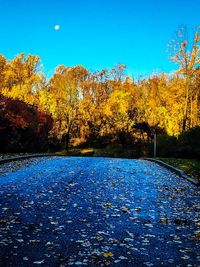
98,212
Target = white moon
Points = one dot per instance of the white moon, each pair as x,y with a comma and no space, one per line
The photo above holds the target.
57,27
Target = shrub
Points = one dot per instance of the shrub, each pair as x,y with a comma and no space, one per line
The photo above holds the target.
189,143
166,145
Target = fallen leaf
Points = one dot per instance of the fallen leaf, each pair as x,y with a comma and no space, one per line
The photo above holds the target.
107,254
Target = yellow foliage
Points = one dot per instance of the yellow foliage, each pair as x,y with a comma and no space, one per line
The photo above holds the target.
89,105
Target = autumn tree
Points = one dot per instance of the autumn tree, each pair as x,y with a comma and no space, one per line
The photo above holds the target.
187,55
2,71
62,97
92,106
22,78
22,126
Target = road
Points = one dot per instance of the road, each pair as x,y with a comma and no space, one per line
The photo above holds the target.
98,212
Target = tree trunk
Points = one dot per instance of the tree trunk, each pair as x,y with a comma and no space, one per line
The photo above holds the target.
67,139
185,111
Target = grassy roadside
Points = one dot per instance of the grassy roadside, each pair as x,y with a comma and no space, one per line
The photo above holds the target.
189,166
113,152
117,152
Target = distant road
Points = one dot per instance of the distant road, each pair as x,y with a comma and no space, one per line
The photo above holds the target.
98,212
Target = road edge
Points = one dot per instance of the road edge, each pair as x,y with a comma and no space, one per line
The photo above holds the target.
179,172
6,160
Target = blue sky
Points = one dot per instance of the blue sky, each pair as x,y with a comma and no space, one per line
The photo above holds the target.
96,33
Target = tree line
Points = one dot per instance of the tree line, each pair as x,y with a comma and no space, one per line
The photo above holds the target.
76,106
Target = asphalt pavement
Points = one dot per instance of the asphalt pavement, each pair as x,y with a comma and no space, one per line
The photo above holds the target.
98,212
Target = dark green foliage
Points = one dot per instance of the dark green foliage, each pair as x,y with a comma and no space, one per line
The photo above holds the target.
124,138
166,145
189,143
186,146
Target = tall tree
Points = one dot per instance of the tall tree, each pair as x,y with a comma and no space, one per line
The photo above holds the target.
2,71
22,78
187,55
64,93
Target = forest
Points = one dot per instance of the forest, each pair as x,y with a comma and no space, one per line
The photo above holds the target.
79,108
